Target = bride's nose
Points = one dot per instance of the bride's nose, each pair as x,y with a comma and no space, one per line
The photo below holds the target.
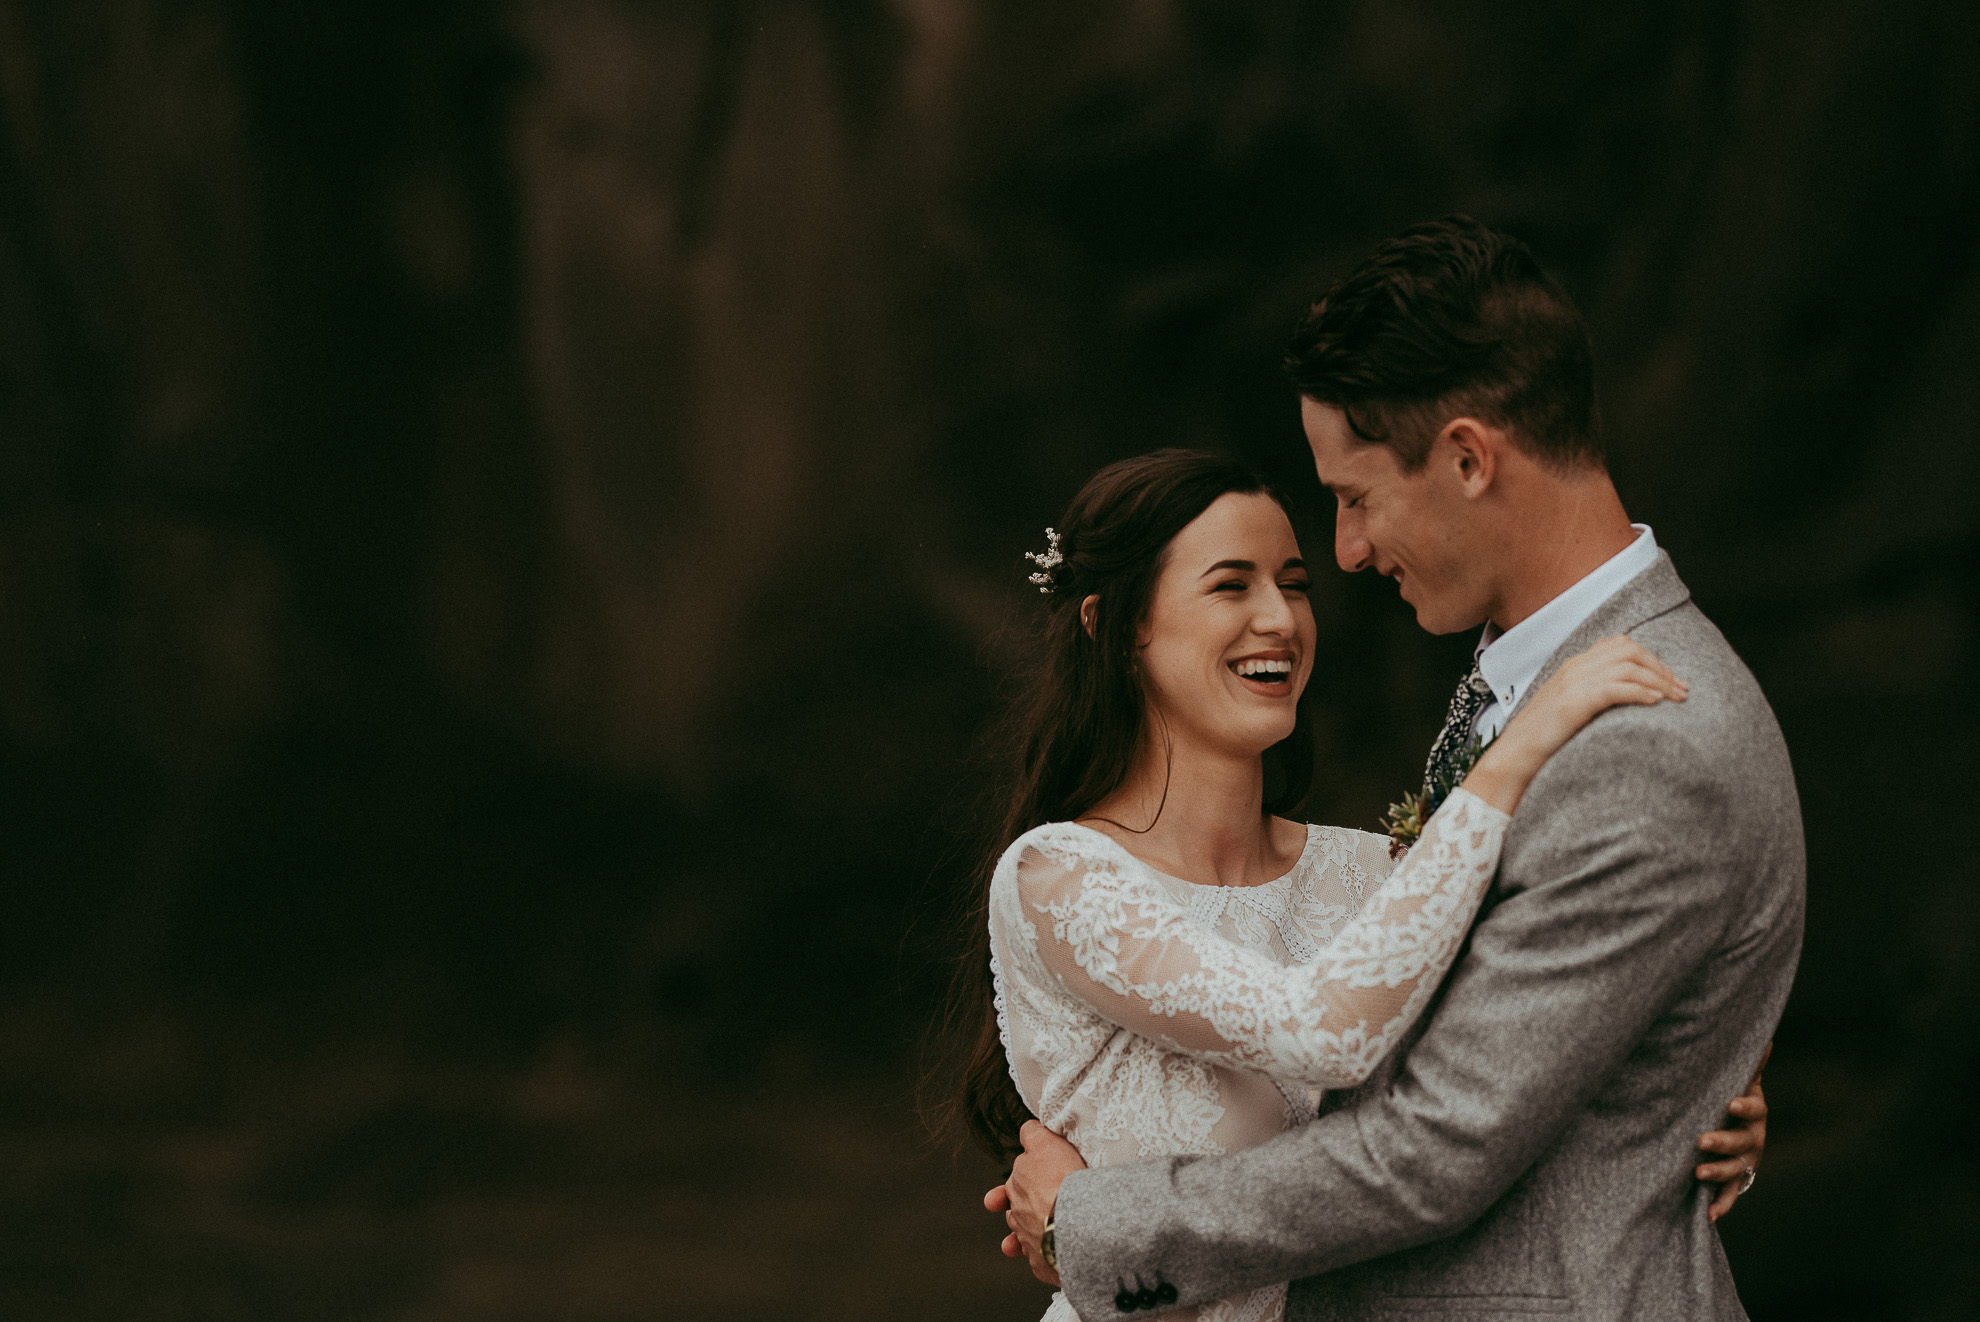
1274,612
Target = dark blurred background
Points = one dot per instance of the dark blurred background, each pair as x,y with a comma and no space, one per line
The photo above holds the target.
509,514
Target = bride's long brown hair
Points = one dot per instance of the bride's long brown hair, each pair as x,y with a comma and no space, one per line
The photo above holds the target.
1073,722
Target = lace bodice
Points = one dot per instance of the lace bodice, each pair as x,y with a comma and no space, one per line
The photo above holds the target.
1146,1016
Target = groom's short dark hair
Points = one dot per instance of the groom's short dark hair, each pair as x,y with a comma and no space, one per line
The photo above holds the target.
1446,319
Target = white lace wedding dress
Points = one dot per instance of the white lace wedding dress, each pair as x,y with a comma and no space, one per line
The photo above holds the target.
1146,1016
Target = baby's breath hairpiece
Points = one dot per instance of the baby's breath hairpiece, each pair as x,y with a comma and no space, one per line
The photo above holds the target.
1047,560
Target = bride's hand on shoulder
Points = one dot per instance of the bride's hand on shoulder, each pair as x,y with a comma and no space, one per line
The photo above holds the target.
1615,672
1740,1145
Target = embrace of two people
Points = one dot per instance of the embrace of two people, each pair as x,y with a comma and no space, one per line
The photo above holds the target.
1250,1069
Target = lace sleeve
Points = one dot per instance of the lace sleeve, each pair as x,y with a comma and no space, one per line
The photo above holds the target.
1118,941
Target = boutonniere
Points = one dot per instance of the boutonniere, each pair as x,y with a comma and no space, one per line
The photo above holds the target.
1405,821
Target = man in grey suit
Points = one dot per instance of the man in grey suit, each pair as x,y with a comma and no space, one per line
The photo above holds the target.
1527,1152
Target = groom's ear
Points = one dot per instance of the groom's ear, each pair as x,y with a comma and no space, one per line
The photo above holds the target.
1472,448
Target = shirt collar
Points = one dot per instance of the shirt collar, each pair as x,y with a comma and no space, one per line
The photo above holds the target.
1511,660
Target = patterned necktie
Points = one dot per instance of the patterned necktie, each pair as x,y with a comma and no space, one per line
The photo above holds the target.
1473,693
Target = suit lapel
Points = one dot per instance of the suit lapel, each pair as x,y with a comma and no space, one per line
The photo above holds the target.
1651,593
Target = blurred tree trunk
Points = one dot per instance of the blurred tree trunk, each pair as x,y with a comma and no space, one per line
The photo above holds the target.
694,275
139,606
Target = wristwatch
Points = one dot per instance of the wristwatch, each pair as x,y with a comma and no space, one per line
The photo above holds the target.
1046,1248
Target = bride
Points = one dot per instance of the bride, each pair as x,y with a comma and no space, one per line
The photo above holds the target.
1175,967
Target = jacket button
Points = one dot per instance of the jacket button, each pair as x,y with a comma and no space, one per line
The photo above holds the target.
1145,1297
1165,1293
1127,1301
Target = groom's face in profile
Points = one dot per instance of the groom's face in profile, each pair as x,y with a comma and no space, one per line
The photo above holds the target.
1411,527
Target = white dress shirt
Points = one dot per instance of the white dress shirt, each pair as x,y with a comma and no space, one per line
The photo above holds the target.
1511,661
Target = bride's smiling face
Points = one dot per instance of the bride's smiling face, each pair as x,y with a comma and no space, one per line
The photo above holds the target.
1227,645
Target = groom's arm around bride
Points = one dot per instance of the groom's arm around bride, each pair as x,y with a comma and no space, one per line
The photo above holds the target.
1641,945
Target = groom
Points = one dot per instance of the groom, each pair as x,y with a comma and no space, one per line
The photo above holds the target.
1527,1153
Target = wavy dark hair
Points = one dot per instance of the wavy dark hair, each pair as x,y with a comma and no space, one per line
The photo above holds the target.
1446,318
1073,723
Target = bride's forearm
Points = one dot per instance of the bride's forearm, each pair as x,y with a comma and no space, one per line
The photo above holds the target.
1506,768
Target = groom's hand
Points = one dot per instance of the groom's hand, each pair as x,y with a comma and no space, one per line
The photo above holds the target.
1027,1198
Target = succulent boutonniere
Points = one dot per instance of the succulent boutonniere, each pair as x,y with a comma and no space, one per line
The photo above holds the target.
1405,820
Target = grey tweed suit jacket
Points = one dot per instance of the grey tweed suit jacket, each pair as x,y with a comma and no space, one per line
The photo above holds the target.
1529,1152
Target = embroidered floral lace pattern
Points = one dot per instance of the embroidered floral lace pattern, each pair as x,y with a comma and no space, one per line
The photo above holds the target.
1145,1016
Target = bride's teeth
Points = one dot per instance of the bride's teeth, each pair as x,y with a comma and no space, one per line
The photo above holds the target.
1268,671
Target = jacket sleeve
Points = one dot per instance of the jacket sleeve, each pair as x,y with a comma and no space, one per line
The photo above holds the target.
1117,940
1611,896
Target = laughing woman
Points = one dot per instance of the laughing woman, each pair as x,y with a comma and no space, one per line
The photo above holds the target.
1173,965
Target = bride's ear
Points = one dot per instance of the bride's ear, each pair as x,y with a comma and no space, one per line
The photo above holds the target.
1088,612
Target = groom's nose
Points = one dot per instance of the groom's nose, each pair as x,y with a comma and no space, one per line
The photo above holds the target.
1351,548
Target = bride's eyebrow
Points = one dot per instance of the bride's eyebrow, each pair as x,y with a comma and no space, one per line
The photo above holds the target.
1247,566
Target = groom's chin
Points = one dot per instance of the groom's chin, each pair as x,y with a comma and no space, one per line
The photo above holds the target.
1437,621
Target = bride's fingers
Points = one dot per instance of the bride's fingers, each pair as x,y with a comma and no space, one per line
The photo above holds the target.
1730,1142
1012,1249
1657,665
1628,649
1721,1172
1728,1195
1628,654
1630,693
998,1199
1658,677
1650,681
1624,648
1742,1148
1632,668
1750,1107
1637,691
1730,1176
1661,677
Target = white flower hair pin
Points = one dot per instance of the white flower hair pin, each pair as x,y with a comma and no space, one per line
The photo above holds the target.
1047,560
